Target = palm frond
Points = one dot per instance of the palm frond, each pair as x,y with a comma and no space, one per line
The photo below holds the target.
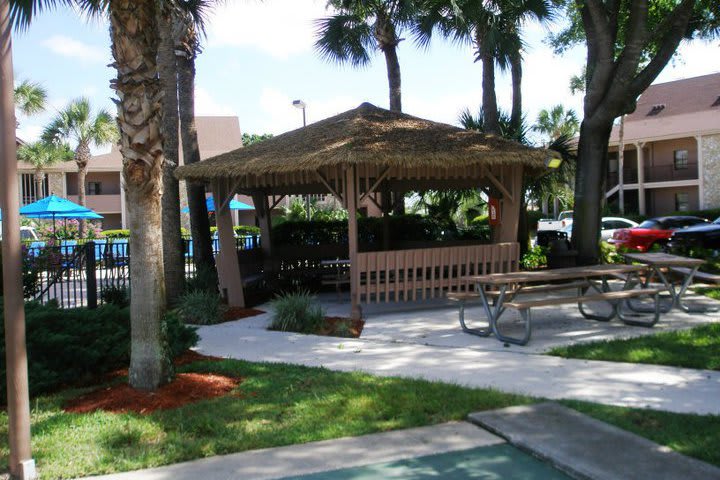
344,38
30,97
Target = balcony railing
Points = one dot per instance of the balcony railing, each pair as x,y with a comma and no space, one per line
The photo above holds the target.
668,173
655,173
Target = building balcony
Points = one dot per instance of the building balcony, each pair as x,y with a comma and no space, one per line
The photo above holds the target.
100,203
655,173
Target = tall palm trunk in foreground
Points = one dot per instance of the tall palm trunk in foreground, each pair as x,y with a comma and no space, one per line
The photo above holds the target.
134,47
172,241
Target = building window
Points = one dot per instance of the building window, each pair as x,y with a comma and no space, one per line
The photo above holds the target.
681,159
93,188
682,202
28,188
613,165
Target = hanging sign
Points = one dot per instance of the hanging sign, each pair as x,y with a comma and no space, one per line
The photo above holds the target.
493,211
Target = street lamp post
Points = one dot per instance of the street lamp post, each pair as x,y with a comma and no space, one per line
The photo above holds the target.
302,105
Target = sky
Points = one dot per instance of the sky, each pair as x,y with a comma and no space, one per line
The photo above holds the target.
258,57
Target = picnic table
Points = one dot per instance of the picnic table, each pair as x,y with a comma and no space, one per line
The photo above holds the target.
339,277
658,264
591,284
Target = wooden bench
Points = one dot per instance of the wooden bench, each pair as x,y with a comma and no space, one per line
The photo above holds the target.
617,299
701,276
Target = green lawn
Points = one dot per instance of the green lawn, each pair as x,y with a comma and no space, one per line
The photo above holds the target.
698,347
284,404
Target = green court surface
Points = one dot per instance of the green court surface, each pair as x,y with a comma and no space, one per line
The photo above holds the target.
487,463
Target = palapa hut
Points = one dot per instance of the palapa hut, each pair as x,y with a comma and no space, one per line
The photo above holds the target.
365,153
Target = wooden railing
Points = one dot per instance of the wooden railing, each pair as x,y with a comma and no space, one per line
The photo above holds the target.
420,274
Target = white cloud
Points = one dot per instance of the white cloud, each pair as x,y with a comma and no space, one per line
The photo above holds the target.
69,47
29,133
278,27
205,104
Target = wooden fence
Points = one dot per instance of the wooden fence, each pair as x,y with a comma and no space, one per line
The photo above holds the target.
420,274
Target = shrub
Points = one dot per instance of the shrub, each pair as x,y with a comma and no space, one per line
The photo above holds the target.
179,336
30,273
200,307
609,253
246,230
205,280
296,312
534,258
118,233
115,295
74,346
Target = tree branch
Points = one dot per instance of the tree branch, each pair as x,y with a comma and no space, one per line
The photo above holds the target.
678,20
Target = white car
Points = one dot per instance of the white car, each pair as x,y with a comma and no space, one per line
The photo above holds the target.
607,227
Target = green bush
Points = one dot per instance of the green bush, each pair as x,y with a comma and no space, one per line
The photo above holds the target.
179,336
609,253
240,230
205,280
296,312
200,307
117,233
74,346
115,295
534,258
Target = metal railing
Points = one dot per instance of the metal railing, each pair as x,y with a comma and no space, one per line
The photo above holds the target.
75,273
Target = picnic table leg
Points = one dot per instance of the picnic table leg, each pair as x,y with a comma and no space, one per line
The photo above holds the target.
481,332
677,298
640,323
494,317
605,287
653,271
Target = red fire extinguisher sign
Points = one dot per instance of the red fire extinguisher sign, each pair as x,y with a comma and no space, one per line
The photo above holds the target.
494,211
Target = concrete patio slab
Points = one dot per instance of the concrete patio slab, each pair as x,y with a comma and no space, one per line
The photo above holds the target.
428,343
587,448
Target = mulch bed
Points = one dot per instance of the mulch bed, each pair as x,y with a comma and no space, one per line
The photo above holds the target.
186,388
341,327
122,398
237,313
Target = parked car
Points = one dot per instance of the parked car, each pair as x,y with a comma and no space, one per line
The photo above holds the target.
563,220
607,227
705,236
654,231
26,234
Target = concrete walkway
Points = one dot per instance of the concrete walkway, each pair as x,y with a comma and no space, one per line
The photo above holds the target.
456,357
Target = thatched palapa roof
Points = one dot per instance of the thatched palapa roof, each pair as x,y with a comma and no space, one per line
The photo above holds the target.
366,135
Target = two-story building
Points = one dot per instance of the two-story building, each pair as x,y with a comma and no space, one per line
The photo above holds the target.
671,149
103,188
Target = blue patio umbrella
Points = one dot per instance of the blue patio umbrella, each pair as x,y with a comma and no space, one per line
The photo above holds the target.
234,205
57,207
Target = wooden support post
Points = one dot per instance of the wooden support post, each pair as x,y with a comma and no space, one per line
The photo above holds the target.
264,217
507,231
351,196
386,202
227,262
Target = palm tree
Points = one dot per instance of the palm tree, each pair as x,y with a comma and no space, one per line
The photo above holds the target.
42,155
493,29
173,263
557,122
360,26
77,123
188,29
30,97
134,39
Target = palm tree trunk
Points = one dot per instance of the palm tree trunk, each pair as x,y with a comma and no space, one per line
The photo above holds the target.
82,157
590,189
199,222
134,47
516,74
394,81
172,239
38,183
490,109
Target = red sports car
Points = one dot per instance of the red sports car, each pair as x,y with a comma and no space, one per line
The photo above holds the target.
654,231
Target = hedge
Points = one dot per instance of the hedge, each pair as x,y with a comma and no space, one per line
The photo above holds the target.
76,346
370,231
